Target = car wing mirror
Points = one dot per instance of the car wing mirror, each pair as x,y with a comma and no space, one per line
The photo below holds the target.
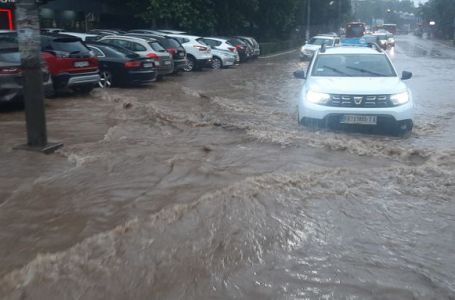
300,74
406,75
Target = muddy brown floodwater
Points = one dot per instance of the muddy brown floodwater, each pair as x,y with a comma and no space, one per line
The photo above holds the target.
203,187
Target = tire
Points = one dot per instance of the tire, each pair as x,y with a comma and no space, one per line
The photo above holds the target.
83,89
403,129
217,63
190,64
105,80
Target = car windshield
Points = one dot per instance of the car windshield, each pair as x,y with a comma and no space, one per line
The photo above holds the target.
353,65
8,58
157,47
320,41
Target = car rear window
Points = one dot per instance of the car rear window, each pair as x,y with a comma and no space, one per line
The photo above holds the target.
68,45
157,47
8,58
172,43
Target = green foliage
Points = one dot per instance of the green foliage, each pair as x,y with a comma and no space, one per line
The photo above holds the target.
266,19
442,12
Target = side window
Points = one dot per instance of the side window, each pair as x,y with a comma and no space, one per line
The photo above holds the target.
217,43
137,47
97,51
121,43
185,40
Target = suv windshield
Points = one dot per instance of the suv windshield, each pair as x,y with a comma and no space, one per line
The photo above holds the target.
353,65
319,41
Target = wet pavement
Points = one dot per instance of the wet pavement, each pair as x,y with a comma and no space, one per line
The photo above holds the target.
203,187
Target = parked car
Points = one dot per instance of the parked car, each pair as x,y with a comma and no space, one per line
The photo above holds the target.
307,50
253,43
166,31
199,54
52,30
85,37
146,47
71,64
121,67
223,58
171,45
355,86
11,80
243,48
104,32
221,44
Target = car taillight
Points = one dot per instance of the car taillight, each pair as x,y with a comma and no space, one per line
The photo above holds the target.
10,70
172,51
200,48
232,49
132,64
153,56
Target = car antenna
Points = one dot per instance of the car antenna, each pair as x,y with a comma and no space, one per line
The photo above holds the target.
323,48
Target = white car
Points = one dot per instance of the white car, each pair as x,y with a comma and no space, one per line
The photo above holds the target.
198,54
314,44
221,44
357,86
145,47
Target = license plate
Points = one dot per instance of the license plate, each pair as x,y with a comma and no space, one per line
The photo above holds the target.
81,64
167,62
148,65
182,54
359,119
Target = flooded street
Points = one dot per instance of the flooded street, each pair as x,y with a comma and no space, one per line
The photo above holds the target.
203,186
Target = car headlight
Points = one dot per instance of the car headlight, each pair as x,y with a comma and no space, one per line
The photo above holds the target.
400,99
317,98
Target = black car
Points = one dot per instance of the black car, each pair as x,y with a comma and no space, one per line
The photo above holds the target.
120,66
11,79
169,43
244,50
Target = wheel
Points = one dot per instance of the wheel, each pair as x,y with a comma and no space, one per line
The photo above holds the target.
190,64
83,89
217,63
403,129
105,79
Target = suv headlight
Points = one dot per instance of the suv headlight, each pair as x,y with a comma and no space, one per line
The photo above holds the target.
400,99
317,98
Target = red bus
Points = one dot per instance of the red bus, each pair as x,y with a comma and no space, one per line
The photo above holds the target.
355,30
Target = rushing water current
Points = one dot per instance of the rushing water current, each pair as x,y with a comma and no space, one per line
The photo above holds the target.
203,186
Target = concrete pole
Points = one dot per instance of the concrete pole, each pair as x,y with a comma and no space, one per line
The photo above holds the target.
308,20
28,33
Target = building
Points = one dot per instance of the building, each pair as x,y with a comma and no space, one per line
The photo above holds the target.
80,15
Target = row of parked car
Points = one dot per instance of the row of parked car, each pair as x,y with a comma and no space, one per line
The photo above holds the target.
106,58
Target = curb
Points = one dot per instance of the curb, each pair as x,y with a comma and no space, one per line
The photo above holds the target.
278,54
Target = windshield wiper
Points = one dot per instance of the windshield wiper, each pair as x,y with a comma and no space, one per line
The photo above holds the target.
336,70
366,71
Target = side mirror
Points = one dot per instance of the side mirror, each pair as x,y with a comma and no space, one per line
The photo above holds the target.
406,75
300,74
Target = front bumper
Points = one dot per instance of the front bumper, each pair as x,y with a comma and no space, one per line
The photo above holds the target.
321,112
228,61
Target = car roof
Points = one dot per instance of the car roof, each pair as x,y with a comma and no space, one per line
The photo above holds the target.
351,50
321,36
216,38
185,36
129,37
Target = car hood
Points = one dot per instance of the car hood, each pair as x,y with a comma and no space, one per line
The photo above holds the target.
356,85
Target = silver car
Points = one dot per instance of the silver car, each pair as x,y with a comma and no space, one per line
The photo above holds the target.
223,58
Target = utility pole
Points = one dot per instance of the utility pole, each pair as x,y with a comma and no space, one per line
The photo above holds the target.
308,20
28,33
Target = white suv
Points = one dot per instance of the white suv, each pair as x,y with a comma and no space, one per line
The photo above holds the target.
356,86
311,46
198,53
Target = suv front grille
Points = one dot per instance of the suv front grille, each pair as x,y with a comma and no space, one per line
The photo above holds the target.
360,101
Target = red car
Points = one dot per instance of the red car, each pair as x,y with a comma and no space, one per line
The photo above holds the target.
71,64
